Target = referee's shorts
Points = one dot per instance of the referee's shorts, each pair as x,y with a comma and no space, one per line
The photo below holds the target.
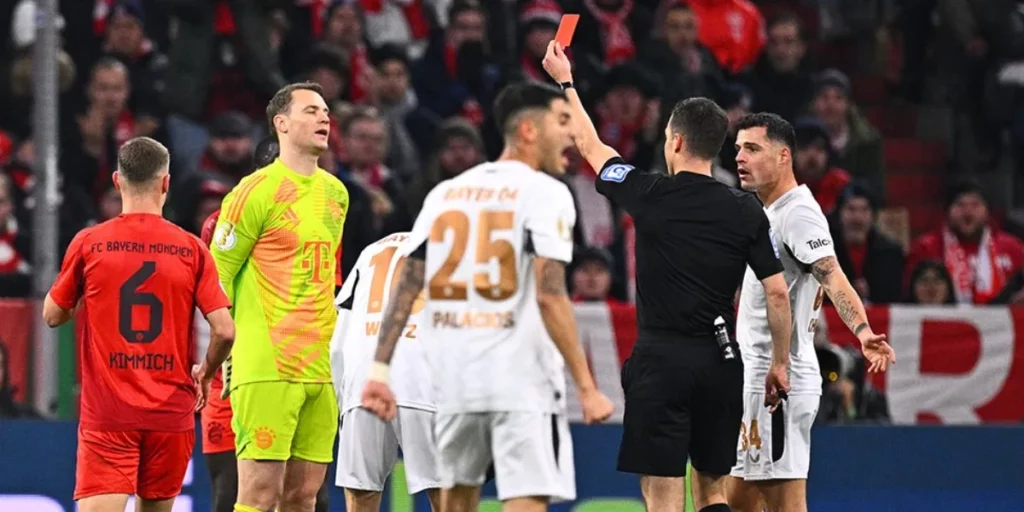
682,401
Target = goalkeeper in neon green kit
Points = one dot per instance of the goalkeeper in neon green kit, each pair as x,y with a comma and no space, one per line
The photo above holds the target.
276,246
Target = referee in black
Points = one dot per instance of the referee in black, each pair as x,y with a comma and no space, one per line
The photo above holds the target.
695,238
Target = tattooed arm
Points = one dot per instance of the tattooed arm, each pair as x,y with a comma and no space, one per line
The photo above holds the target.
557,314
844,297
399,308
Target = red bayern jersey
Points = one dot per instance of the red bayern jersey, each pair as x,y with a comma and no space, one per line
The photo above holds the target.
140,278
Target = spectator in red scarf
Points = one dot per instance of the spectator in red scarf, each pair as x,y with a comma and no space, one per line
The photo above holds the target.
812,164
733,30
538,21
365,138
229,153
344,30
106,122
456,75
14,246
980,258
628,115
125,39
872,260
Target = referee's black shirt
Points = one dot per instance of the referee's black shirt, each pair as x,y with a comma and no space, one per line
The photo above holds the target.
694,238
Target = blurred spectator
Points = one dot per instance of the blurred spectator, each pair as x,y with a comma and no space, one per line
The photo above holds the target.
872,261
10,409
456,75
459,147
365,139
404,23
781,81
628,115
411,127
125,39
732,29
813,164
221,59
344,31
109,204
597,220
687,67
538,22
857,145
229,153
18,84
930,284
326,65
847,396
610,31
89,155
15,247
980,259
736,101
592,276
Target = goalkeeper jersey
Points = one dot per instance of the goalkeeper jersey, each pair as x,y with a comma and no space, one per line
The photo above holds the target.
276,246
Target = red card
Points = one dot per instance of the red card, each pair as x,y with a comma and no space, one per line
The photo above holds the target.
566,28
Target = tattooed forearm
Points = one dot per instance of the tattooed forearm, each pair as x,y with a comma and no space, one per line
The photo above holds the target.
552,278
839,289
397,314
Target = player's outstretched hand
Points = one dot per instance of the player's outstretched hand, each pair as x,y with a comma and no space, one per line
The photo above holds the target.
378,399
877,351
202,386
776,386
596,407
556,63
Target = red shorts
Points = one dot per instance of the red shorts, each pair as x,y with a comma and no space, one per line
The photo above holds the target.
151,465
216,420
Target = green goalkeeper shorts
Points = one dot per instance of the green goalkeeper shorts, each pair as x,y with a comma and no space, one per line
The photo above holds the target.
279,420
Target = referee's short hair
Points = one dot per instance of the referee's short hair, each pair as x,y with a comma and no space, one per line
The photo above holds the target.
520,97
141,160
702,124
775,127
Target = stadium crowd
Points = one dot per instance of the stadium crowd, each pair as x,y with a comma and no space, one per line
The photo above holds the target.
411,83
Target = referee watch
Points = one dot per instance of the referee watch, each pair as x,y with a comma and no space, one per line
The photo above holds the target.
566,85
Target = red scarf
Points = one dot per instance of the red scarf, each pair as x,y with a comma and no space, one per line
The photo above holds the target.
977,277
415,15
359,78
618,43
99,16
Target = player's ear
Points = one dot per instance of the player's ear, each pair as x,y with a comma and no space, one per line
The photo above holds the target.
165,183
116,178
280,124
677,143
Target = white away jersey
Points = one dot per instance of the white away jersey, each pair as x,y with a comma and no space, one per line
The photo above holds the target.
800,232
480,233
362,302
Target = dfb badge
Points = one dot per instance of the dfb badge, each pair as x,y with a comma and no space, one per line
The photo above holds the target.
616,173
225,237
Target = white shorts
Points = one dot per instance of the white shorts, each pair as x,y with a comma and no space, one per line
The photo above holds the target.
775,446
531,453
368,450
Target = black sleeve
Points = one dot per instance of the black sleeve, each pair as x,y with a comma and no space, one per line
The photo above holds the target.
763,257
347,303
626,186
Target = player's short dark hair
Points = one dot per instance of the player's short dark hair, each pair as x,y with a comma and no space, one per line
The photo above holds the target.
775,127
520,97
141,160
702,124
282,100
